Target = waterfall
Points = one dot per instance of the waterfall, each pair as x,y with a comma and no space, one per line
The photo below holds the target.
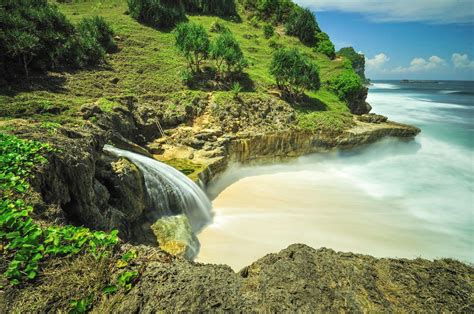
171,192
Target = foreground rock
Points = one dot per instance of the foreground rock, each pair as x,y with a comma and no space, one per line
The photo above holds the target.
298,279
301,278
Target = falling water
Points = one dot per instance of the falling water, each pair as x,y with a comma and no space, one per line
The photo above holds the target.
171,192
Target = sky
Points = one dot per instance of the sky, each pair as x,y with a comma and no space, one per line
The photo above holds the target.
403,39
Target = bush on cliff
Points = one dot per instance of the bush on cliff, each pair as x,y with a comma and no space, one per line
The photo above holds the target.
357,60
324,45
275,11
294,72
346,85
228,55
157,13
35,35
93,40
193,42
302,24
211,7
32,35
268,31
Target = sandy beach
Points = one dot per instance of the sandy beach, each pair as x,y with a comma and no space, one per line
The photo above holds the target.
266,213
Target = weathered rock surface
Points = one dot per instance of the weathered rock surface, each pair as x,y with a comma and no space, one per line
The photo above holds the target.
175,236
303,279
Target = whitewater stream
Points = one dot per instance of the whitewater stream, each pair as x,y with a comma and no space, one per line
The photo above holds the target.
171,192
390,199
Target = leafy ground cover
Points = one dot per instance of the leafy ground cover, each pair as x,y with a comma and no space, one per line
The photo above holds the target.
23,242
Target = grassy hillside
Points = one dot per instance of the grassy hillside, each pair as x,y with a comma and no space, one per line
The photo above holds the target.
146,64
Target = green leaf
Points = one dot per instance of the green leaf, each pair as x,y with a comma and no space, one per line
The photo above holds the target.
111,289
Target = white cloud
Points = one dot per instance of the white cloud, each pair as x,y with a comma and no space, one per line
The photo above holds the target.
376,62
421,65
462,61
433,11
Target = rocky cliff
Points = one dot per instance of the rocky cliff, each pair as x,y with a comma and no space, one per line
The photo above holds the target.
101,191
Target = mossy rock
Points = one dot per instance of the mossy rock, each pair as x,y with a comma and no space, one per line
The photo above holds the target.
175,236
187,167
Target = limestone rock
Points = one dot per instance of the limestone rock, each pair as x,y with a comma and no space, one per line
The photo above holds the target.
372,118
301,279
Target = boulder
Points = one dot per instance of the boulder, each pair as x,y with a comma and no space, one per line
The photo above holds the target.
175,236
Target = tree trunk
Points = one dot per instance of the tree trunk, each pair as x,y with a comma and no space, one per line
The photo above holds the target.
25,66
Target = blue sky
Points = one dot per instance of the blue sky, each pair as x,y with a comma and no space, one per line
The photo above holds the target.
403,39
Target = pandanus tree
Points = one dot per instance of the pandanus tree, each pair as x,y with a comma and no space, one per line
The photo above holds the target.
193,42
294,72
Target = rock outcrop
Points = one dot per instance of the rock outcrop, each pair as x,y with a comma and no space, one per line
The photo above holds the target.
358,104
105,192
302,279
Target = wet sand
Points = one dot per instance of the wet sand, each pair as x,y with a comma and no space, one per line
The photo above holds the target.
262,214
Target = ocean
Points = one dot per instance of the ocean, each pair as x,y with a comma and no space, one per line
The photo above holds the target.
390,199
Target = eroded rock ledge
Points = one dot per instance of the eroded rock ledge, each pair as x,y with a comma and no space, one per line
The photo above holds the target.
297,279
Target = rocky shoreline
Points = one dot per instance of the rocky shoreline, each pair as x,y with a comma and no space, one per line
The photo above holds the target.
86,186
83,185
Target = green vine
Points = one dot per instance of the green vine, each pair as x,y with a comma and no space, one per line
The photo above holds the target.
23,242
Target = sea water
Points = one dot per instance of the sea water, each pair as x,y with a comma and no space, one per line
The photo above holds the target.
391,199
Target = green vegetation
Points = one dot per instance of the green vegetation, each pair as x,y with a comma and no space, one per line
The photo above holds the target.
35,35
226,52
236,89
211,7
346,85
218,27
357,60
193,42
187,167
157,13
329,121
294,72
302,24
147,66
268,31
23,242
324,45
94,40
275,11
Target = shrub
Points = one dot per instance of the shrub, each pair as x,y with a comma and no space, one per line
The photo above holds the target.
294,72
211,7
268,31
218,27
324,45
274,44
186,76
35,35
303,25
98,28
236,89
346,85
32,34
276,11
254,21
226,52
193,42
94,38
157,13
356,60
